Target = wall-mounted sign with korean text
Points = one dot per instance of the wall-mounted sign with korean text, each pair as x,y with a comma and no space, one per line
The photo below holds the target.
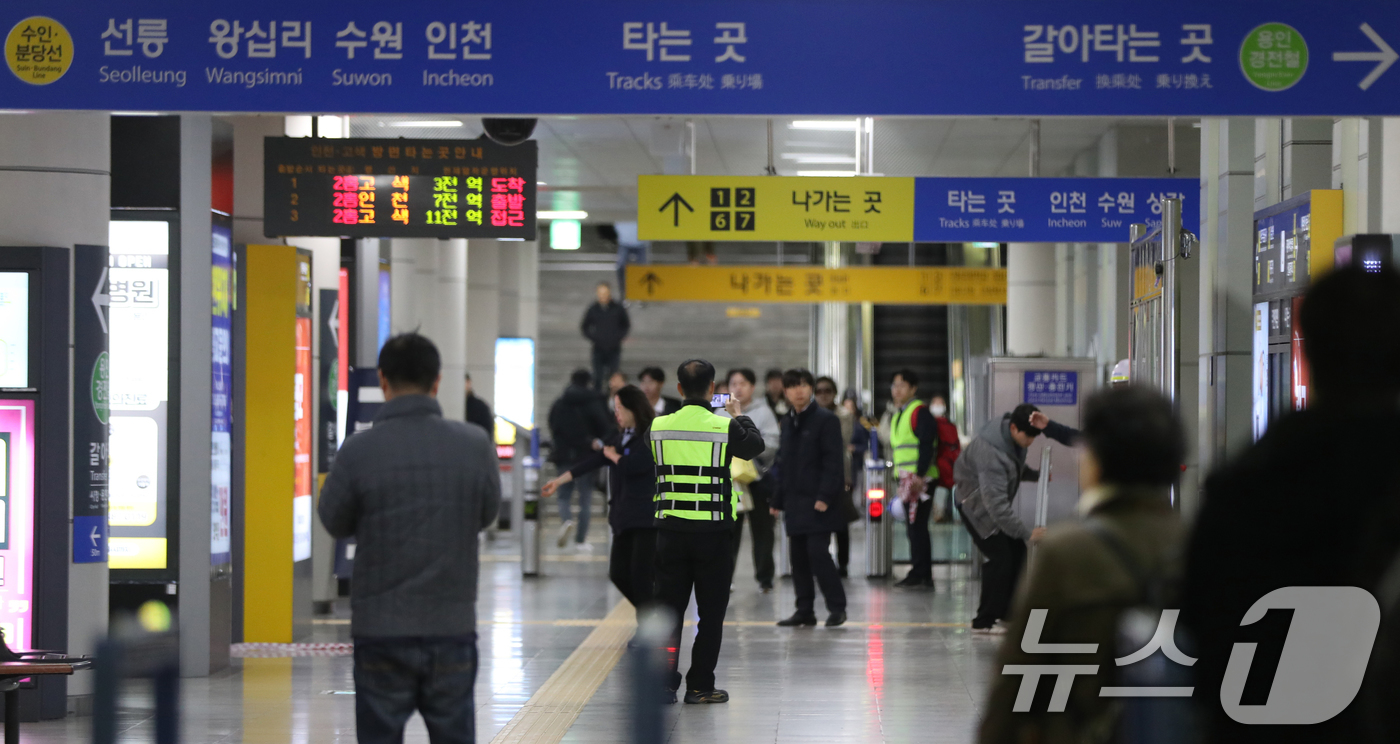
1046,388
924,285
1045,210
388,188
898,210
856,209
716,58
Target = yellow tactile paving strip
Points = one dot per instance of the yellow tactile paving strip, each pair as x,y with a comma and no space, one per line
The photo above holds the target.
548,714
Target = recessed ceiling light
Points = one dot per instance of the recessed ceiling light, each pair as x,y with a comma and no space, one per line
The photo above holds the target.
561,214
430,124
826,173
836,125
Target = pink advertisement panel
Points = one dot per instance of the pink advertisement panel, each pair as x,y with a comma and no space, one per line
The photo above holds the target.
17,522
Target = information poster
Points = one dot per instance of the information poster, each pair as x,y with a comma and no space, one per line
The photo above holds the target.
17,522
328,377
139,333
221,401
14,329
91,404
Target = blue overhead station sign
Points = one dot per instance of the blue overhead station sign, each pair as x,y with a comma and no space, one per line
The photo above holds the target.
1044,210
535,57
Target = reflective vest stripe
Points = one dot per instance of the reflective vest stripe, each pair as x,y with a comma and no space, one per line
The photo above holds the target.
715,507
696,488
696,470
691,436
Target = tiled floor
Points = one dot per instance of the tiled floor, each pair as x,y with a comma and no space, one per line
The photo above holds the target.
906,669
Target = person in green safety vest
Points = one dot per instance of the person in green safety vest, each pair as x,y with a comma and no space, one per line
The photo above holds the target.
695,510
914,445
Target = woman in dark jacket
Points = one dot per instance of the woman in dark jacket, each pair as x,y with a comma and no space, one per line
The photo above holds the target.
632,487
810,487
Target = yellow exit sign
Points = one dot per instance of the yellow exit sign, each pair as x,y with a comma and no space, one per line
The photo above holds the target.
773,208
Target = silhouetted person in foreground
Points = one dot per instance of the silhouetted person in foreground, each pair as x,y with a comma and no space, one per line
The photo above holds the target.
1314,503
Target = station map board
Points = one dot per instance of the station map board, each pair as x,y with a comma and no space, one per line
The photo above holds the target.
398,188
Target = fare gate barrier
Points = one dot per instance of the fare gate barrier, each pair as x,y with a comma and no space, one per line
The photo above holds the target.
879,525
530,509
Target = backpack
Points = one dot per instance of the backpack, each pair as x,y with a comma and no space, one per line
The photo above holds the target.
949,447
1144,720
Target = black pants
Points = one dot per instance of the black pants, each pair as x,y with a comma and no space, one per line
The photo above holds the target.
702,561
761,530
920,546
605,363
632,566
811,559
1006,556
396,676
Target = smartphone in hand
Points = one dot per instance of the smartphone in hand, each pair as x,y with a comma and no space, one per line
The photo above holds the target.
719,400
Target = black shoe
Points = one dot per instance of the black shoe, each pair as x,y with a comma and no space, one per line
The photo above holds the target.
835,619
698,697
911,582
843,572
798,619
766,587
668,697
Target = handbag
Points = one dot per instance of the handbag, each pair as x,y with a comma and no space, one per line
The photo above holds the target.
742,472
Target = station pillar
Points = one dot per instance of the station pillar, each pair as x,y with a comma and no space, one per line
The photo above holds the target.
55,172
1030,298
483,312
429,295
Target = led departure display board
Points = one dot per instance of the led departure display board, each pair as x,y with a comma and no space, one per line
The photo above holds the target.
398,188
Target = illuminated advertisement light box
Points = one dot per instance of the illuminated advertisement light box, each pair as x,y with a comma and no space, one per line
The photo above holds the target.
14,329
399,188
515,380
139,291
304,477
17,517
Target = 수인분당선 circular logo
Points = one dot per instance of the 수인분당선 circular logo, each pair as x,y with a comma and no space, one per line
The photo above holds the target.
39,50
1274,57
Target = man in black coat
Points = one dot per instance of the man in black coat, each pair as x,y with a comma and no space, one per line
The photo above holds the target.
1314,504
605,323
479,412
808,494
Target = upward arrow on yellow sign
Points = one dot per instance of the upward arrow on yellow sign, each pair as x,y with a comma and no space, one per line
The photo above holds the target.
772,208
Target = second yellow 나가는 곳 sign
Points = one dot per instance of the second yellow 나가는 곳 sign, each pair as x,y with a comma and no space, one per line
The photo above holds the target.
932,285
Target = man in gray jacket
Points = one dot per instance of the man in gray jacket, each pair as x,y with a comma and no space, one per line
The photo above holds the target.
414,491
988,474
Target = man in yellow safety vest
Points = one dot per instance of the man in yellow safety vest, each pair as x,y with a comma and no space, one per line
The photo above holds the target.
914,441
693,448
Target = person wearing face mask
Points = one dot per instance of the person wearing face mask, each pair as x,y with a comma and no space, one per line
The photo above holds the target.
631,493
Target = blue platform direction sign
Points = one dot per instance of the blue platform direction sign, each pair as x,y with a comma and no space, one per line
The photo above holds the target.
1044,210
719,57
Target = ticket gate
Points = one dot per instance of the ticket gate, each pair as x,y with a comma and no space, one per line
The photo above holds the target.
879,524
